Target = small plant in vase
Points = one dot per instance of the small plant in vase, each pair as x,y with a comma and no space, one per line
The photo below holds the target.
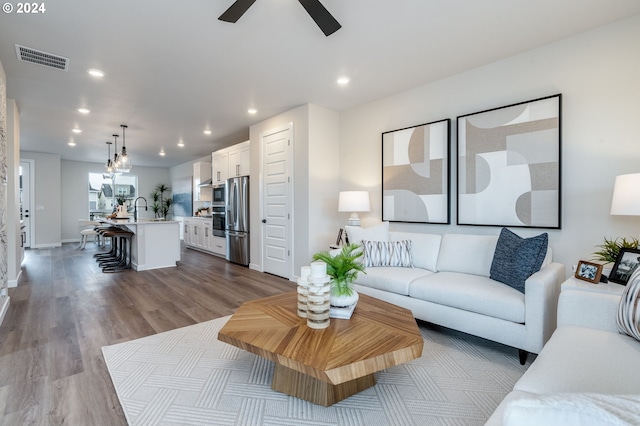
343,269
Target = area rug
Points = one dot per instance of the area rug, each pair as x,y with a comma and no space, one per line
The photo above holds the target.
188,377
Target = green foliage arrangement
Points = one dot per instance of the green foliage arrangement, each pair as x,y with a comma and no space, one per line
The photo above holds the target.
161,206
610,249
343,268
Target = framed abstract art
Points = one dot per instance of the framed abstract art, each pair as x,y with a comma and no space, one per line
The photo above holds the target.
509,165
415,173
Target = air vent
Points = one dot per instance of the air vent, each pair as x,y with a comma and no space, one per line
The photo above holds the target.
45,59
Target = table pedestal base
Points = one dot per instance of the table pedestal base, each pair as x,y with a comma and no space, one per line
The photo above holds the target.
310,389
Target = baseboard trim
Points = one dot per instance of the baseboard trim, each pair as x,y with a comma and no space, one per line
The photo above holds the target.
14,283
255,267
48,246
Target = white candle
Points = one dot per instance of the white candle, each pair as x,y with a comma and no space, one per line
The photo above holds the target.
318,269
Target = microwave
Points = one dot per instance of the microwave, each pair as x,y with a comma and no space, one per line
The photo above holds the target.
218,193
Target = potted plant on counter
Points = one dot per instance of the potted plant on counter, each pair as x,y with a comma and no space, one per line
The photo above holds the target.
343,268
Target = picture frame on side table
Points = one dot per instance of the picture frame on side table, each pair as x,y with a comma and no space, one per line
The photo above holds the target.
626,264
416,173
509,165
589,271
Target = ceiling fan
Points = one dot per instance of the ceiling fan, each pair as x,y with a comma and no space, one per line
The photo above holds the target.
315,9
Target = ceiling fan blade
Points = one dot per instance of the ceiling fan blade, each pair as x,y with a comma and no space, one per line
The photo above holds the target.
236,10
321,15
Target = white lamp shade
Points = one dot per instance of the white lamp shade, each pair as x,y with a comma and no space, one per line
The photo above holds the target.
353,201
626,195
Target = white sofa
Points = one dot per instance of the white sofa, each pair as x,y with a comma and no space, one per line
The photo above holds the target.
449,285
587,374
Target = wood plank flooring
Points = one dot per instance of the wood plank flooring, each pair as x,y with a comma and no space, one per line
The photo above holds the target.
65,309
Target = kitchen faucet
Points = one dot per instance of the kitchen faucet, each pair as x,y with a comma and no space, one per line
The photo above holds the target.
135,208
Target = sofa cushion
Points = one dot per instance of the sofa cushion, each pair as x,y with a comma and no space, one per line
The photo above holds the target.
573,409
517,258
424,248
394,280
473,293
387,253
378,232
580,359
471,254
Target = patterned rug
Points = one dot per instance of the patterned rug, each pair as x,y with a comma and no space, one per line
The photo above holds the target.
188,377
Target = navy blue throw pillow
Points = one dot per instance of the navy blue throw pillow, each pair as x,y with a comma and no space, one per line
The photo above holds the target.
517,258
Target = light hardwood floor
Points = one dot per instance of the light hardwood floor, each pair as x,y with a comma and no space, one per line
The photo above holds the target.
65,309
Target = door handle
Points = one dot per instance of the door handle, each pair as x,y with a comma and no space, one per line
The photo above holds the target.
264,220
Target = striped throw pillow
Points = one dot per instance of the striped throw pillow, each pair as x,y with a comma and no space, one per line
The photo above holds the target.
629,309
387,253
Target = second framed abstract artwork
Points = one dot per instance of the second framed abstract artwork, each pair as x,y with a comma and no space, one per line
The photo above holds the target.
509,165
415,173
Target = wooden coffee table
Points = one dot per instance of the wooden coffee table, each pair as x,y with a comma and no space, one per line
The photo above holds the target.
329,365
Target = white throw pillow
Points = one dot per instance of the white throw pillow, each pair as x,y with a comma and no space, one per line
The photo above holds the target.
573,409
357,234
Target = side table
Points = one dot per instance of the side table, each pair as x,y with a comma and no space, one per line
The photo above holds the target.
573,284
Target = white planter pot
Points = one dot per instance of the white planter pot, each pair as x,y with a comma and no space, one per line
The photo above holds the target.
343,301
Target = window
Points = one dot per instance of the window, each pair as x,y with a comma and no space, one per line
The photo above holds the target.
105,193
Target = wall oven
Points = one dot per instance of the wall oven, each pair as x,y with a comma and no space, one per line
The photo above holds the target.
219,222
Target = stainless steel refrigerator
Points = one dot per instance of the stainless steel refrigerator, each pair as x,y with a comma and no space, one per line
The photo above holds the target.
237,233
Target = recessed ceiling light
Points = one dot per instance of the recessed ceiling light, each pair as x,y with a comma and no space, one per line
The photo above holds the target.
71,143
83,111
180,144
96,73
76,130
343,81
252,111
207,132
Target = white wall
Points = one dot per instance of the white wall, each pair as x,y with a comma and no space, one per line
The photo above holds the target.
46,212
597,73
75,192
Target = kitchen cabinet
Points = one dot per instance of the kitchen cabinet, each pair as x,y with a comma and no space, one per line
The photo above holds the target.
201,173
230,162
198,235
220,166
239,160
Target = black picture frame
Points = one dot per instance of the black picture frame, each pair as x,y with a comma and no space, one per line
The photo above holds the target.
339,239
588,271
626,264
510,165
416,176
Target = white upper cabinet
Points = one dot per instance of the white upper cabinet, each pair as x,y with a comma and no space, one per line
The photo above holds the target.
239,158
220,161
231,162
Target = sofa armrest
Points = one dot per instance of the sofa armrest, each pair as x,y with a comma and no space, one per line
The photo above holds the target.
541,304
587,309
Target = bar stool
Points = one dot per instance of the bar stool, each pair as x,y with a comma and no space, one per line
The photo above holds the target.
119,258
88,232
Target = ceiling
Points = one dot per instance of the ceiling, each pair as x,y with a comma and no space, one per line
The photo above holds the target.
173,69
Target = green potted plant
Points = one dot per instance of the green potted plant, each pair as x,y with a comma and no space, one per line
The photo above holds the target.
610,249
343,269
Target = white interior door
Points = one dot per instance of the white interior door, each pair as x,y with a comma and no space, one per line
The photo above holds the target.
25,200
276,190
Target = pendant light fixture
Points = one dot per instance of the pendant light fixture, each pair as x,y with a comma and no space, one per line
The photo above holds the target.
108,167
124,162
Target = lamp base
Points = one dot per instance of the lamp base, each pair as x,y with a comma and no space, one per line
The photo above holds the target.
354,220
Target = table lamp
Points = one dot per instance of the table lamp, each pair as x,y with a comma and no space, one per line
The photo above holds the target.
626,195
354,202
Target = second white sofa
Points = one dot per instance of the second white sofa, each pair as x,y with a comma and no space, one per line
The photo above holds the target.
450,285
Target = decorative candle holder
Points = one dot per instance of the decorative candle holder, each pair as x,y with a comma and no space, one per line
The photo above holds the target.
303,290
318,296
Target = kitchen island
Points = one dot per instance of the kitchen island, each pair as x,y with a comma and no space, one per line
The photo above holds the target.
155,243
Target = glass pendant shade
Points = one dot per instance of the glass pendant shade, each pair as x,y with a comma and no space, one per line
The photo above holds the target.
124,162
108,167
